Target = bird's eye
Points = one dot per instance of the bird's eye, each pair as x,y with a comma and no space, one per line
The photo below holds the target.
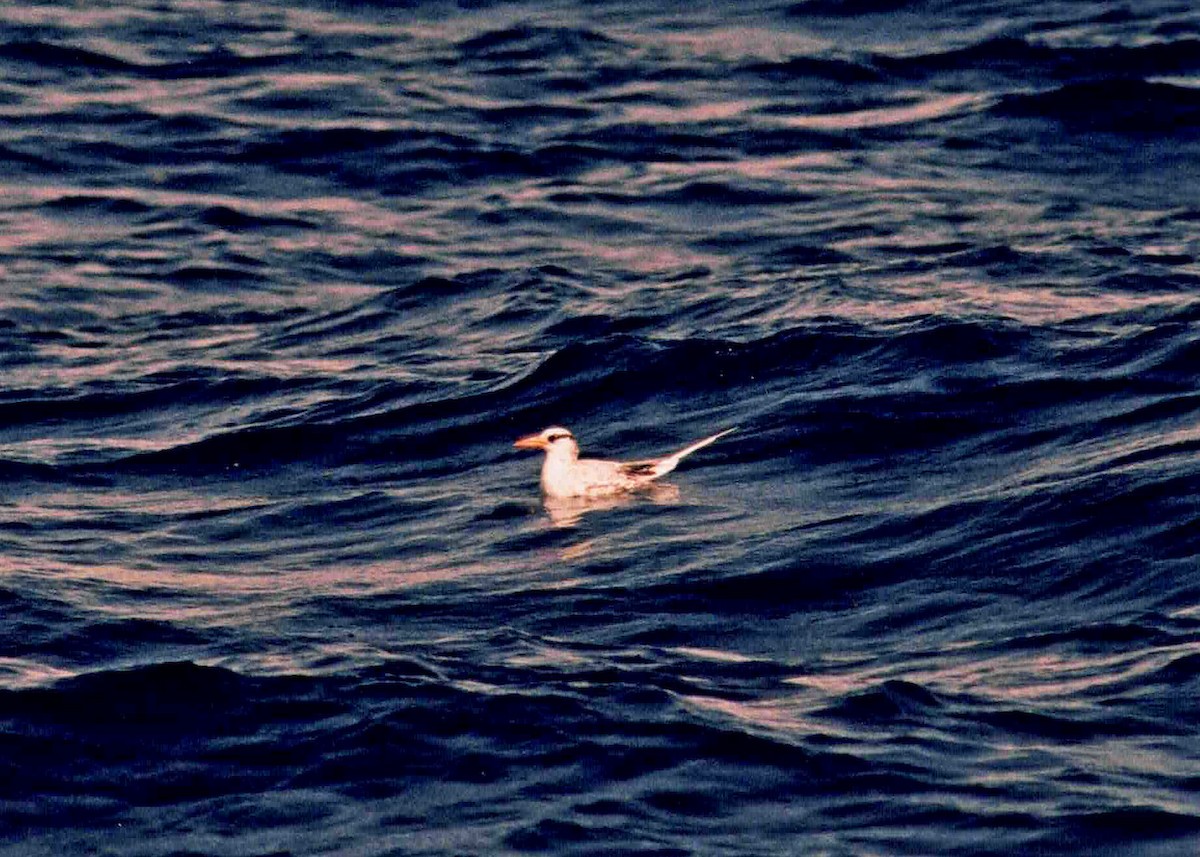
557,436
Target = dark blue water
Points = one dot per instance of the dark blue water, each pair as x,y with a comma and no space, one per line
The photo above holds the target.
281,282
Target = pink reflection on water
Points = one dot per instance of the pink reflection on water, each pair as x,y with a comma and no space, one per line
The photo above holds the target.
643,258
734,43
1053,682
709,112
920,111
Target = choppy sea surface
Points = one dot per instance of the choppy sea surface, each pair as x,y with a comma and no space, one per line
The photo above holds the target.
280,283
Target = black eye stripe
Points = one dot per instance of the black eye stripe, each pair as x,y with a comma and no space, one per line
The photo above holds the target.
558,435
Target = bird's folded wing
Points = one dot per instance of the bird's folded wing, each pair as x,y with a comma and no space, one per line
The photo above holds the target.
639,468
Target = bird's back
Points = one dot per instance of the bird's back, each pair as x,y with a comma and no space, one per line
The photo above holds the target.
585,476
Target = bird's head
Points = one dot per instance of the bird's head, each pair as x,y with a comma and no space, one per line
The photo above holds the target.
552,440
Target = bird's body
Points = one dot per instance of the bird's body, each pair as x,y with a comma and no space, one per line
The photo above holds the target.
565,474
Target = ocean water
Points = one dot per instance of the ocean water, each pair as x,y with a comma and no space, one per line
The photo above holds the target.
280,283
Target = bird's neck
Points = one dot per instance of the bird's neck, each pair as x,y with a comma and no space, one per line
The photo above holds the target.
560,455
556,469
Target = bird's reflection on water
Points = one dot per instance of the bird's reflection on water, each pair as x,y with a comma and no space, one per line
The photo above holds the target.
569,511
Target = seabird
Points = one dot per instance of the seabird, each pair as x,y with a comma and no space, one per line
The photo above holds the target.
565,474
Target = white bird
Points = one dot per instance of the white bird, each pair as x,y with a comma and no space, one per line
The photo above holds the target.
565,474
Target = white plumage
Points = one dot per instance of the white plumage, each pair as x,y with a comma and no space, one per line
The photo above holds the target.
565,474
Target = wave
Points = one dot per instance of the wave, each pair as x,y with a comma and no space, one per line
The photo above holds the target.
153,394
22,160
601,361
1022,59
62,57
1132,107
533,42
189,739
849,8
732,193
216,63
232,218
892,700
816,68
97,204
401,161
22,471
213,276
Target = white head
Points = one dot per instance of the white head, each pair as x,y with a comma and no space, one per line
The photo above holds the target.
556,441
